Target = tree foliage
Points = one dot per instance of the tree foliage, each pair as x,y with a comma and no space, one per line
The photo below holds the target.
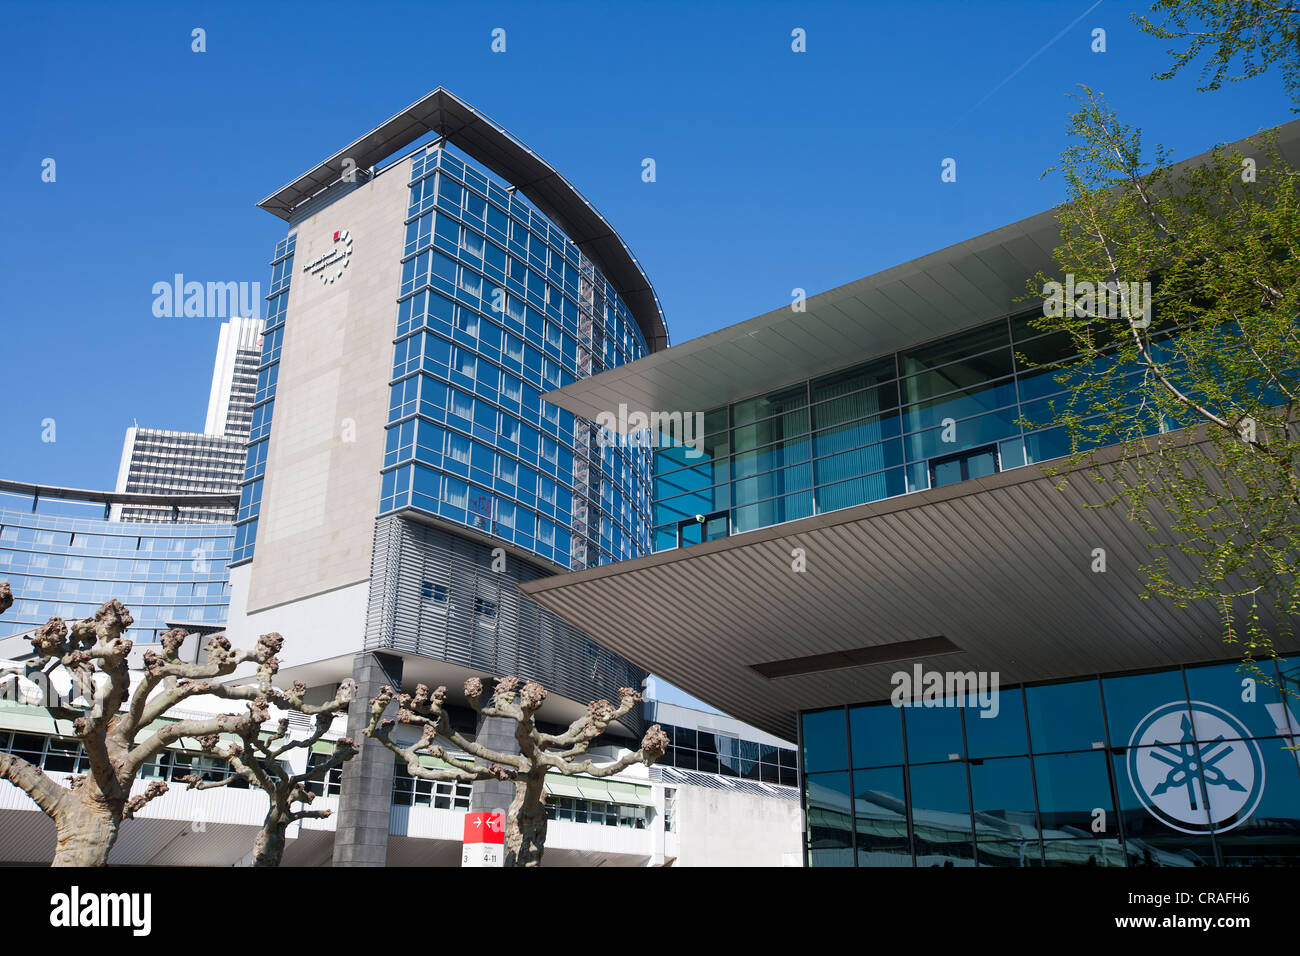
1240,39
1201,391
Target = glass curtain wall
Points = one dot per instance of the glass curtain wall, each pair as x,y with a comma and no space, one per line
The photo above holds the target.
944,411
1184,767
497,307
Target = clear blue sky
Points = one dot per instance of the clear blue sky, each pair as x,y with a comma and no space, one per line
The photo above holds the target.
775,169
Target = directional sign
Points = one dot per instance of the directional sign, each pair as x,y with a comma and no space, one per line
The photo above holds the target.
485,840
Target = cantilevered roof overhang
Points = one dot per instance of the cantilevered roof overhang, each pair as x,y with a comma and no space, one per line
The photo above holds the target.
938,294
484,141
963,285
1001,567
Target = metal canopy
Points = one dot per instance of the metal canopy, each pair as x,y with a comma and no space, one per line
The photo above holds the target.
936,295
1001,566
489,144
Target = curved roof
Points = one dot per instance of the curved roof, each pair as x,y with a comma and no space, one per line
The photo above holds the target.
487,143
167,499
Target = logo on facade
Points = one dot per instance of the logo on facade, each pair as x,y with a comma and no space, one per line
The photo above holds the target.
330,266
1195,786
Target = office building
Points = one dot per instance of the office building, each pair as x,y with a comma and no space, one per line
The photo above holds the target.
234,379
867,508
162,461
66,563
404,477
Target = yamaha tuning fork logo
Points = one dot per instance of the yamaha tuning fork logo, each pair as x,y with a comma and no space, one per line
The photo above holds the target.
1195,780
330,266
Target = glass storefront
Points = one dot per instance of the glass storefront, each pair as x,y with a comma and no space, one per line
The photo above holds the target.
1181,767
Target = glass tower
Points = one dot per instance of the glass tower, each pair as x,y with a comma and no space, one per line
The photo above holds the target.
499,306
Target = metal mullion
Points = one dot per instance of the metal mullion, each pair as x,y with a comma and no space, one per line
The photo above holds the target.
1033,778
907,783
853,803
1112,778
970,790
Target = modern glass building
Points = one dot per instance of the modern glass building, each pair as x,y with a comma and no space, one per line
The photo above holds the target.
404,476
497,306
263,400
864,513
959,407
67,565
1189,766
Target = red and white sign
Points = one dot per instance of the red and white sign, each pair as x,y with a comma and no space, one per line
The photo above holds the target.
485,840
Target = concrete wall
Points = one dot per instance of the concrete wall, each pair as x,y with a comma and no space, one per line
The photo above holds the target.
323,627
321,491
727,828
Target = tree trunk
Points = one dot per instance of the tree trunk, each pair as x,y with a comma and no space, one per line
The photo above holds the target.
526,822
87,830
268,848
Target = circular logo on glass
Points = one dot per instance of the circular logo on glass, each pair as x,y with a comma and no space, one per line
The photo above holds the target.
1172,753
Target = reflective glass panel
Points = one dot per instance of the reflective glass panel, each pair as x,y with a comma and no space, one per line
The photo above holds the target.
876,734
995,725
880,817
1006,830
1243,694
1074,795
825,741
941,815
1129,700
827,809
1065,716
933,733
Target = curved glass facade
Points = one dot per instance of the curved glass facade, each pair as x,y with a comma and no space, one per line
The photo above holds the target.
497,307
66,566
1182,767
946,411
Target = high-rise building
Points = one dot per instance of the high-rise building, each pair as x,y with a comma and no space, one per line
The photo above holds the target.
67,564
161,461
234,378
404,475
403,480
